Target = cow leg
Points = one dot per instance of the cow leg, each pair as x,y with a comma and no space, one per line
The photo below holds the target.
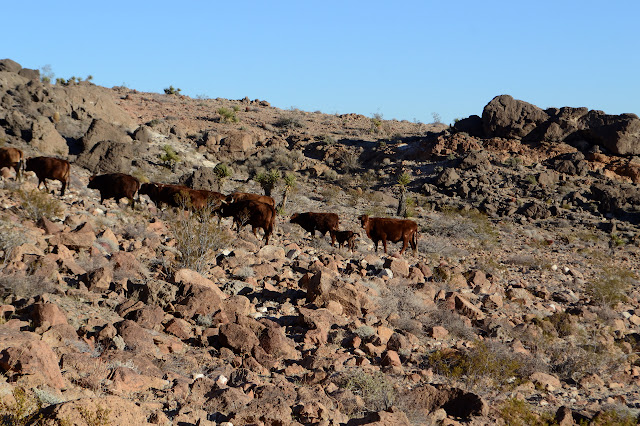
384,243
333,238
404,245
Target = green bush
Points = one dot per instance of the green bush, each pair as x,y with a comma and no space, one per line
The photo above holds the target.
268,180
227,115
171,90
170,157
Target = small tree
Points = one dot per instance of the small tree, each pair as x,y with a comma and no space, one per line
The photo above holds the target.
289,184
403,180
222,172
268,180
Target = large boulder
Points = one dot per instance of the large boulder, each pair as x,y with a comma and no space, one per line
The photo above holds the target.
9,65
101,130
46,139
510,118
108,157
27,359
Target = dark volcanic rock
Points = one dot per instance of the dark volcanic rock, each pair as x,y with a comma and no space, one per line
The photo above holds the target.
506,117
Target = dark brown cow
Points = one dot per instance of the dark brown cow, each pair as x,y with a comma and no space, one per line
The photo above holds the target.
50,168
241,196
115,185
394,230
254,213
179,195
347,238
322,222
12,157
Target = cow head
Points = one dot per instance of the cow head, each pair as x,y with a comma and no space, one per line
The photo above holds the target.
294,218
364,220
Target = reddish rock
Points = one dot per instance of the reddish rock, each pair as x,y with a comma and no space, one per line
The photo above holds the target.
99,280
399,266
26,358
275,342
179,328
47,315
136,338
240,339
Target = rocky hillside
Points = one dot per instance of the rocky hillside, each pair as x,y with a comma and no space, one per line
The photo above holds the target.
521,305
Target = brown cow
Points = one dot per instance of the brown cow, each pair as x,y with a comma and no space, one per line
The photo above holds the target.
241,196
50,168
254,213
115,185
12,157
394,230
179,195
322,222
347,238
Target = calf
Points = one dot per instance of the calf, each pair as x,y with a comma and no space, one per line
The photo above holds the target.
50,168
241,196
254,213
322,222
12,157
115,185
394,230
347,238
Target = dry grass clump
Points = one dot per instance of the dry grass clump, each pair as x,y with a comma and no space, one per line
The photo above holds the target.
24,286
517,412
197,236
35,204
488,363
375,389
462,224
611,285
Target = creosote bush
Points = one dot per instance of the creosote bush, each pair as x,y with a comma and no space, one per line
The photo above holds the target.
375,389
36,204
23,411
171,90
170,157
611,286
268,180
487,362
198,237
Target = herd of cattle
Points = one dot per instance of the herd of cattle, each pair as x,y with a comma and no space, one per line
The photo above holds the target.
245,208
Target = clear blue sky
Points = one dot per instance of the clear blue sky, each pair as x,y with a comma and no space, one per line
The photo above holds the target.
404,60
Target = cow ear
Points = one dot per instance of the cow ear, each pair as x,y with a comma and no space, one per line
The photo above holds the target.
91,178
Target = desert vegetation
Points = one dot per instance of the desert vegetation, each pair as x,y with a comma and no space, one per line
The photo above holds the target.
520,306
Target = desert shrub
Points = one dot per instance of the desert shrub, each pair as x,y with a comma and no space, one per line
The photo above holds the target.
611,285
169,156
464,225
23,286
328,140
330,175
23,411
11,237
35,204
268,180
517,412
375,389
288,122
172,90
487,363
197,237
227,115
615,416
349,161
97,417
